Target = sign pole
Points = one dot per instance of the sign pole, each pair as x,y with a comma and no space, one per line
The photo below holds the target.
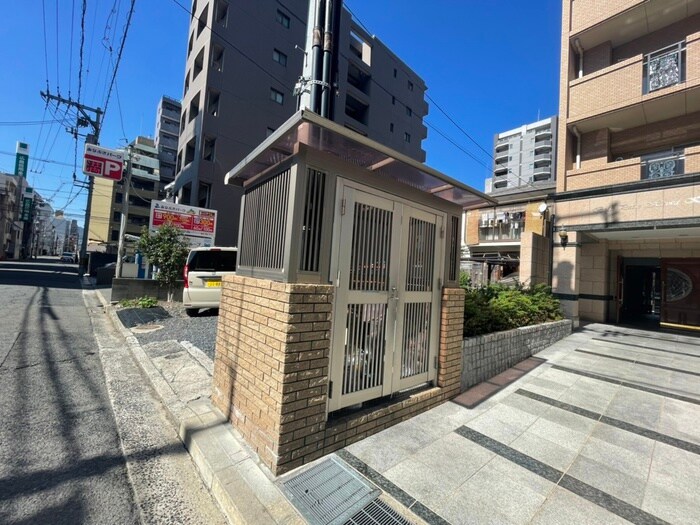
125,214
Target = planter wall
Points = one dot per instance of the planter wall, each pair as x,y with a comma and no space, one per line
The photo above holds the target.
485,356
125,288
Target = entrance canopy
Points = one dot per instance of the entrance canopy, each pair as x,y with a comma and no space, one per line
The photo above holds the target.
308,128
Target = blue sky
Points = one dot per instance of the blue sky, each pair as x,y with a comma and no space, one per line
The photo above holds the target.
491,66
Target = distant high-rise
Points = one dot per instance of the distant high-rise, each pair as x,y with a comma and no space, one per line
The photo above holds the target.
167,131
243,62
524,158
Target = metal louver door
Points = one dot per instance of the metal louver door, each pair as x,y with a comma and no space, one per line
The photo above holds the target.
418,295
367,261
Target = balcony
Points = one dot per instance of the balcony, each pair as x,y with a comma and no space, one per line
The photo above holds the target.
662,165
621,21
500,169
502,145
501,155
641,90
543,133
502,230
542,173
656,166
543,158
543,145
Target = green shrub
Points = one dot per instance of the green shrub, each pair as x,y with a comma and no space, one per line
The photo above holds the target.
141,302
496,307
465,281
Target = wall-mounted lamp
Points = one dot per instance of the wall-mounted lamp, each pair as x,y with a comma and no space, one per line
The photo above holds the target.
563,237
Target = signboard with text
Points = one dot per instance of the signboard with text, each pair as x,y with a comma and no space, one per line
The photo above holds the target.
27,209
197,224
103,162
22,159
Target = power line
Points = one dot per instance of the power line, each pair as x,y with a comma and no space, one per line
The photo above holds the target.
119,54
47,161
58,78
82,43
70,55
46,49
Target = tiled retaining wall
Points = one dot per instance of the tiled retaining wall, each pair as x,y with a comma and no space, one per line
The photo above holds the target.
271,371
485,356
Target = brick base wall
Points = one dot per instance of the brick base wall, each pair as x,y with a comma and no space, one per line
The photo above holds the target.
488,355
271,371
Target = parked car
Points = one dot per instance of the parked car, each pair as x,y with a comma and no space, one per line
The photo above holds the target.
203,272
67,257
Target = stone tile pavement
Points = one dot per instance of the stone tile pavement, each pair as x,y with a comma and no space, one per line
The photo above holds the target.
607,430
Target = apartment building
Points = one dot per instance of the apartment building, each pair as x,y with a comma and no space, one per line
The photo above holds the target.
166,135
108,197
524,157
10,228
627,205
244,60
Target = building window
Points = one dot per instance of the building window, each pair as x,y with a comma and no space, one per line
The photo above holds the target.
115,235
279,57
203,20
407,137
198,64
194,107
209,148
393,101
221,12
189,151
409,112
217,57
410,85
395,72
283,19
116,216
191,44
277,96
391,127
213,107
203,195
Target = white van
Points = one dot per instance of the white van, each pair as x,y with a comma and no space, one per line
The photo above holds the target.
203,272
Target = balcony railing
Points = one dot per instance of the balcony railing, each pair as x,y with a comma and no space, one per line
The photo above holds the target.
664,68
662,165
502,231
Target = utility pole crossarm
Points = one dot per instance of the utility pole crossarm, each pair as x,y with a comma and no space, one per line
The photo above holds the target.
96,127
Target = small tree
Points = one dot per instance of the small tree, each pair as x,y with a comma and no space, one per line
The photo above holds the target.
167,249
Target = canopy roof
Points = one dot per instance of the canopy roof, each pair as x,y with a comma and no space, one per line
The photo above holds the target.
306,127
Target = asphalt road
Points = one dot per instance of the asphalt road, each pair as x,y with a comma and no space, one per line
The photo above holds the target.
61,456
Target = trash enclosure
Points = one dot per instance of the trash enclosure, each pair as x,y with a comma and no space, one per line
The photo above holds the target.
347,252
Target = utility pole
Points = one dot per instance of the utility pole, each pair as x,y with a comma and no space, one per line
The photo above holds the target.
84,120
125,214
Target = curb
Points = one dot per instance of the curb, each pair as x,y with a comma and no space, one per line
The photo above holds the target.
244,491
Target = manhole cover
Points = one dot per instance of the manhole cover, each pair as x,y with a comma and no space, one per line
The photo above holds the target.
144,329
329,493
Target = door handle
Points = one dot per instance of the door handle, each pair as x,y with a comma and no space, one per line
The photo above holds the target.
394,294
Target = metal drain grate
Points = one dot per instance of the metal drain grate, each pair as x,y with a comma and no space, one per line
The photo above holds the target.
329,493
378,513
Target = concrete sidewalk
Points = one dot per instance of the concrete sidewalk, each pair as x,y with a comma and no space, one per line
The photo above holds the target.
604,431
181,376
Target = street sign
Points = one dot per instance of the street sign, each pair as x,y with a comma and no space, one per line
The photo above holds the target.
103,162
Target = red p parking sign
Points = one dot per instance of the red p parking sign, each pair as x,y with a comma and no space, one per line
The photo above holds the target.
103,162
